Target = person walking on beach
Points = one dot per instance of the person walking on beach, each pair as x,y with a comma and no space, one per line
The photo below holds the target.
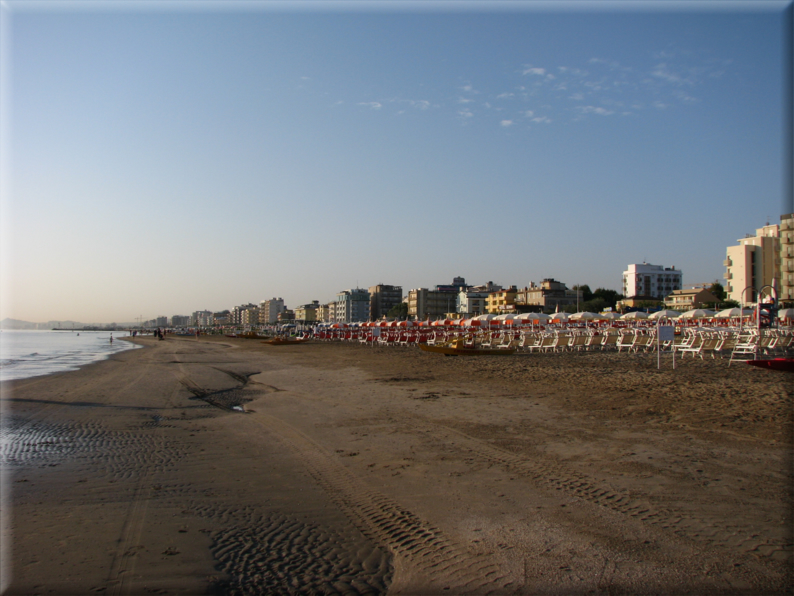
111,338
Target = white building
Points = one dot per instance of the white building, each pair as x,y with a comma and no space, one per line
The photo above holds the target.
754,263
351,306
269,309
652,281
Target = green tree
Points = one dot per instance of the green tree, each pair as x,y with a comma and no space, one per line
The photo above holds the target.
610,297
587,293
398,311
718,291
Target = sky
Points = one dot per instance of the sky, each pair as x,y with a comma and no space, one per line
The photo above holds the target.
163,159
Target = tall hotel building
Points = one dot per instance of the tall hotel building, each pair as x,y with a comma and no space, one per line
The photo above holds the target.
762,261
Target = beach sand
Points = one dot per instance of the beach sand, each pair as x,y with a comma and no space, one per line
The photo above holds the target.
357,469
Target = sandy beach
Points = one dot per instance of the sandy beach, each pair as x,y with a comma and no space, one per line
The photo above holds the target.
227,466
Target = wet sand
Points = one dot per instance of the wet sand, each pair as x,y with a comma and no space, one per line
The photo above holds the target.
226,466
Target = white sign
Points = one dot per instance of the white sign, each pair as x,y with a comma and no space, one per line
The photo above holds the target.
666,333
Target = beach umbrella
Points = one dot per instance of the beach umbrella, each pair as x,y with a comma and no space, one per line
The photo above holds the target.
534,316
634,316
586,316
671,314
560,316
696,313
785,313
729,313
441,323
610,316
405,323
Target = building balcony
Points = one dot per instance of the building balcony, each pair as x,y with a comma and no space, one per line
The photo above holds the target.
727,263
728,275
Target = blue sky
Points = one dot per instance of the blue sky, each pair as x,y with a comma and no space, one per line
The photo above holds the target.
163,161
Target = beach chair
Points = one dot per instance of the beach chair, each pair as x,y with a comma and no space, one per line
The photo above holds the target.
692,344
610,340
578,341
528,339
745,348
545,342
626,341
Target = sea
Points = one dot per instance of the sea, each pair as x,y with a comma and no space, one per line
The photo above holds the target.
25,354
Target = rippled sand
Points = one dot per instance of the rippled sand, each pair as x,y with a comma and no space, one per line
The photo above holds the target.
229,466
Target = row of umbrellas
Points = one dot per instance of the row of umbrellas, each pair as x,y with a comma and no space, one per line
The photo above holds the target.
524,318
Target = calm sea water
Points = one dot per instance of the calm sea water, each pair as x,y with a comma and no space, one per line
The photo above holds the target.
26,354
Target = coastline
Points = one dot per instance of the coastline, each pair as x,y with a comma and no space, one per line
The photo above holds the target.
535,474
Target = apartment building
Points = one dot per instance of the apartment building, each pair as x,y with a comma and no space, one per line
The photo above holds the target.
471,301
654,281
307,313
424,303
324,312
787,259
684,300
180,321
269,309
352,306
382,298
501,302
249,316
550,295
755,263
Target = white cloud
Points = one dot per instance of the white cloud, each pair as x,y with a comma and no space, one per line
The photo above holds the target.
535,71
505,95
421,104
594,110
660,105
506,123
542,120
465,100
577,96
372,104
529,113
465,114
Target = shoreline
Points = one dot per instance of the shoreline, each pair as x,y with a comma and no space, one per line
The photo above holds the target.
551,473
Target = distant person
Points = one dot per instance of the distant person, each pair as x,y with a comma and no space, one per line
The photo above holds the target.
198,332
111,338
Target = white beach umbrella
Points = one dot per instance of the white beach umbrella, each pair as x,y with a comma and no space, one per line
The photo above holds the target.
634,316
729,313
697,313
586,316
533,316
664,313
785,313
560,316
610,316
507,317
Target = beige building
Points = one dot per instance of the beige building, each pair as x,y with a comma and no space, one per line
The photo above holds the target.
684,300
307,313
431,304
787,259
550,295
269,310
754,263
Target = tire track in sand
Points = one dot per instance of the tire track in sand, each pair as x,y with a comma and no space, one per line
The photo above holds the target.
433,559
555,475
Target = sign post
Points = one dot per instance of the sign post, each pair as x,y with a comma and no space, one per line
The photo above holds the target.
664,333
